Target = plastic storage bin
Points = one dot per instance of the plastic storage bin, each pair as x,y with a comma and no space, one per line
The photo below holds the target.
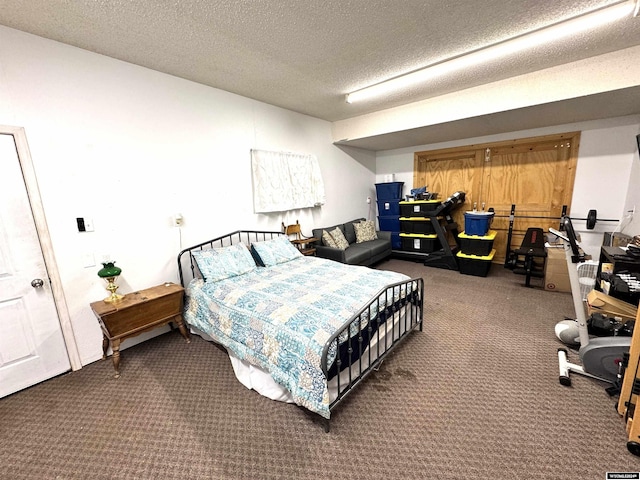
476,244
420,225
477,223
389,207
389,190
418,208
419,243
396,242
475,264
389,223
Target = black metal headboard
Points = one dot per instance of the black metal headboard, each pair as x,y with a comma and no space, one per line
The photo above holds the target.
187,267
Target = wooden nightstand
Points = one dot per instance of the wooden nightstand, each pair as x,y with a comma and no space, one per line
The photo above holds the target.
136,313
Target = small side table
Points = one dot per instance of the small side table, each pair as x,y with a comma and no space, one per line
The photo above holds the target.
305,245
136,313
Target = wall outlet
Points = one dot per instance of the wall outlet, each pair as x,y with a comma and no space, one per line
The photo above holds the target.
178,220
368,199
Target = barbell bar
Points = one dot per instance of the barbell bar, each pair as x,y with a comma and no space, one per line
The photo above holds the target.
591,219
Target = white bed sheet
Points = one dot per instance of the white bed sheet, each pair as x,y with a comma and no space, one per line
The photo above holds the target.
260,380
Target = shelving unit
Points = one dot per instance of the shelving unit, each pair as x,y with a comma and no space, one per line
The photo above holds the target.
424,225
619,263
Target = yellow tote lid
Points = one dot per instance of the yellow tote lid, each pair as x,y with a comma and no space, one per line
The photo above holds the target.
491,235
477,257
419,235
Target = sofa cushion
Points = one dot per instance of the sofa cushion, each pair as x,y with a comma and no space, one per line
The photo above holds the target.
338,237
365,231
327,240
317,232
357,254
349,232
376,247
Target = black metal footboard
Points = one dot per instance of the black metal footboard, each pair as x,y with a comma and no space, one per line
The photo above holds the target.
360,346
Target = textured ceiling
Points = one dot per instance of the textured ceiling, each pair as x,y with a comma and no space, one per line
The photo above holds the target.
306,55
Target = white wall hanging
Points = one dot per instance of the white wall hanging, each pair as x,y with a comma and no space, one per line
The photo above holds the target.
285,181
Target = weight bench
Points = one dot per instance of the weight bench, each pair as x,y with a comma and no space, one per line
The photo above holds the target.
527,257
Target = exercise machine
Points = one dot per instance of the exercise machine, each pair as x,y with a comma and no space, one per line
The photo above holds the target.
443,222
530,258
602,358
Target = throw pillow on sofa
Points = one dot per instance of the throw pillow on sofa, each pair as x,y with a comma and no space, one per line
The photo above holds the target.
328,240
365,231
338,237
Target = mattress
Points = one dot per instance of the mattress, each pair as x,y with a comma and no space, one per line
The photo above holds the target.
279,318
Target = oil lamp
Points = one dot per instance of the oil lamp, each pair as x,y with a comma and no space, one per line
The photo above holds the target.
110,272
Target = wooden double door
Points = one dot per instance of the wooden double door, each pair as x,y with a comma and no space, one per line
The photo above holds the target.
535,174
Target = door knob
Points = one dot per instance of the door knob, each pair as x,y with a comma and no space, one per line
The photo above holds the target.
37,283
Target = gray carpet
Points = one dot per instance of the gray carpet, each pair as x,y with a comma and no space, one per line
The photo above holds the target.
475,395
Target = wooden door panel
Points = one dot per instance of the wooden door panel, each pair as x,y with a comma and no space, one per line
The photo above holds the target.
448,173
533,177
535,174
522,180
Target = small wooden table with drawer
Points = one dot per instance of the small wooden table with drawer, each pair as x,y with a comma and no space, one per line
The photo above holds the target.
136,313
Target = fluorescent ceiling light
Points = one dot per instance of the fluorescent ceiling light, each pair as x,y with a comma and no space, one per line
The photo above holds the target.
513,45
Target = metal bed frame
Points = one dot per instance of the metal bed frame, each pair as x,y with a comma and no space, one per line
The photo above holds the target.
360,361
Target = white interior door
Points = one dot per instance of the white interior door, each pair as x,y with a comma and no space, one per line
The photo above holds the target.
32,347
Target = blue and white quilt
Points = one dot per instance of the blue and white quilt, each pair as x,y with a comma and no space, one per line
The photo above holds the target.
280,317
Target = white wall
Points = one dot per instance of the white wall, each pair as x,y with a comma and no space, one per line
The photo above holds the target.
633,196
607,174
129,147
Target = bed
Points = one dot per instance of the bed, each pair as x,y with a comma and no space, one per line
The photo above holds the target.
299,329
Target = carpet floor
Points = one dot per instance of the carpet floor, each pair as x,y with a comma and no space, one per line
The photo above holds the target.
475,395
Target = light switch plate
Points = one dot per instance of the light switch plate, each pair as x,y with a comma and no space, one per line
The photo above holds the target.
88,224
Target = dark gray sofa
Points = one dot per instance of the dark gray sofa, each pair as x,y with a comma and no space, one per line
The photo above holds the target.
365,253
